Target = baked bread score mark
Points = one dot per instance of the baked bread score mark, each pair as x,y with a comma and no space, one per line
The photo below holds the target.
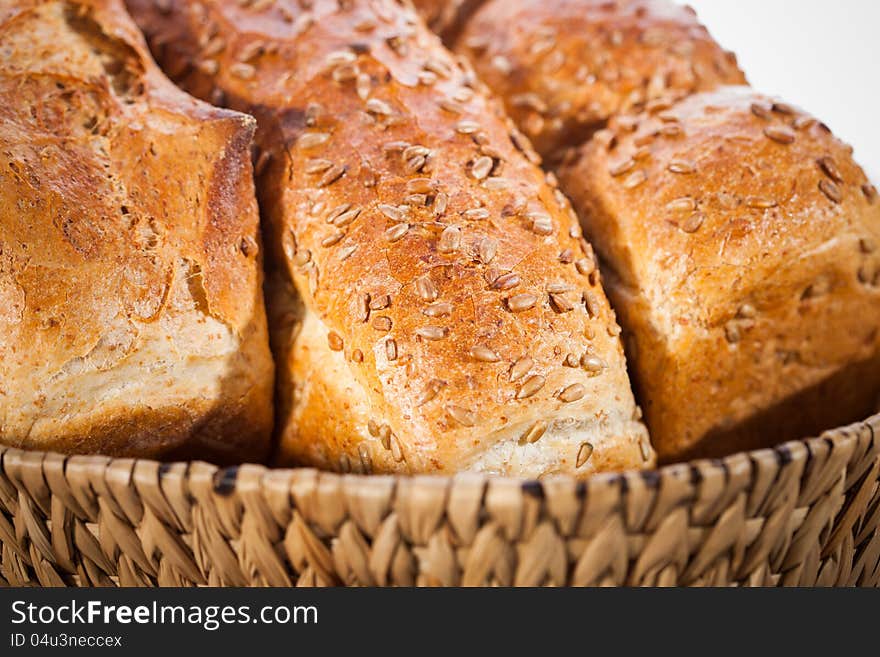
447,18
130,270
434,306
741,246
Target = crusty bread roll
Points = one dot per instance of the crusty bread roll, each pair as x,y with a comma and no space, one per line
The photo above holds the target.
131,317
739,242
563,67
435,308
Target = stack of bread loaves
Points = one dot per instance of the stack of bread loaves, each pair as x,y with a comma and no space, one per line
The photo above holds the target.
738,238
433,304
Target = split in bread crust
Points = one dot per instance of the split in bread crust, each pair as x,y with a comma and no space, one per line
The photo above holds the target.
131,314
434,306
446,18
739,242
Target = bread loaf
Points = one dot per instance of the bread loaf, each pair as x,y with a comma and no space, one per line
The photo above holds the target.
434,306
739,242
563,67
131,317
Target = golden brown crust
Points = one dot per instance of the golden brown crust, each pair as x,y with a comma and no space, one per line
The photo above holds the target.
563,67
415,247
741,244
132,317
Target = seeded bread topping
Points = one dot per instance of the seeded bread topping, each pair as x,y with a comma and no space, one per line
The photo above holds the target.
739,245
434,306
564,67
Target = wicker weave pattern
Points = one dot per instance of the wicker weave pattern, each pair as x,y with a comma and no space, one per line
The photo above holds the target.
803,514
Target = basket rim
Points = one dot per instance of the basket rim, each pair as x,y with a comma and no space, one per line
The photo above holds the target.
225,477
791,513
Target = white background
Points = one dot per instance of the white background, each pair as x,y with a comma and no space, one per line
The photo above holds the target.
820,55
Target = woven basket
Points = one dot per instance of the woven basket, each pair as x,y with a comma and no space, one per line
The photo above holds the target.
805,513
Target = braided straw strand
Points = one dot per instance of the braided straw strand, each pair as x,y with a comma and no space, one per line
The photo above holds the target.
803,514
